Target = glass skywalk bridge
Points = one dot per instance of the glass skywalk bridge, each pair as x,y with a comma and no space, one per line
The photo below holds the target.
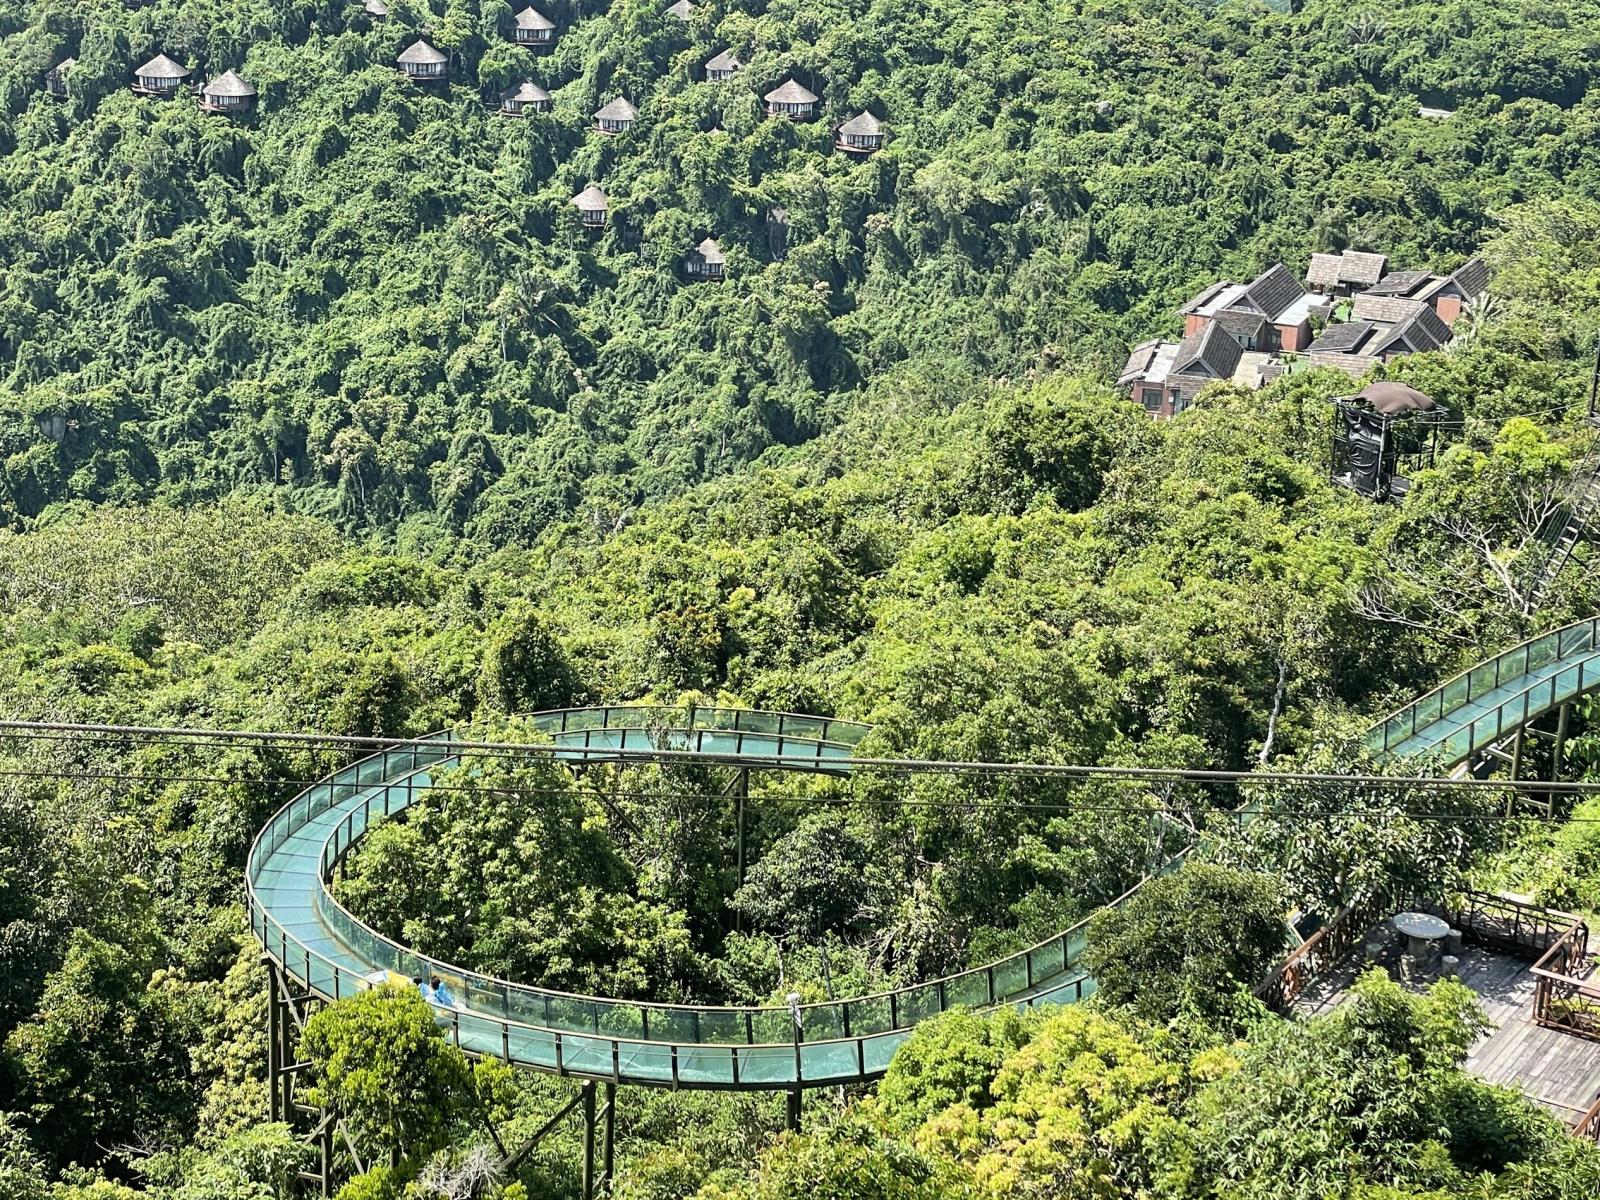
326,950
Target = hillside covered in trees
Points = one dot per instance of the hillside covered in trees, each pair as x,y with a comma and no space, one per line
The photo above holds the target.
373,302
334,418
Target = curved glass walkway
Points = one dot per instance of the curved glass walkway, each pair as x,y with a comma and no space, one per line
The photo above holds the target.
327,950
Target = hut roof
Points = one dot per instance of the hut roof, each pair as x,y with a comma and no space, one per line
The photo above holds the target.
532,18
1362,267
590,199
1399,283
1390,396
229,84
618,110
526,92
1272,291
1344,338
682,10
708,252
724,62
376,7
790,92
865,125
162,67
65,65
1210,352
420,52
1323,270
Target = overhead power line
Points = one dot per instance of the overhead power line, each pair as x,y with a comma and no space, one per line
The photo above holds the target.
569,755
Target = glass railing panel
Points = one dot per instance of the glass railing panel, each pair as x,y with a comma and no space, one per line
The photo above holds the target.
704,1065
655,1063
1481,679
804,727
485,995
1047,960
877,1051
586,1055
824,1021
1513,663
574,1014
772,1025
1454,695
1567,684
918,1003
1011,976
623,1020
533,1048
767,1065
527,1007
1459,744
722,1027
1541,652
969,990
870,1015
829,1060
1077,942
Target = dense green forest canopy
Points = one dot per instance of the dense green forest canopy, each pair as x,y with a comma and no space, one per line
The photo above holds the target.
334,418
373,302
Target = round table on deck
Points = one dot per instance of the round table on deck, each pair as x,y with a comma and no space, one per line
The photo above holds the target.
1423,932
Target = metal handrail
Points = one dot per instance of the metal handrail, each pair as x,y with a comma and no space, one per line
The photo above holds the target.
981,988
1490,675
992,992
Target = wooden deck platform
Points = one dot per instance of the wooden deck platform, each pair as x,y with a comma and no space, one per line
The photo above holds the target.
1558,1070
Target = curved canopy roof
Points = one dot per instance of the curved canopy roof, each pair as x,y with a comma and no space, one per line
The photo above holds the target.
532,18
618,110
723,62
162,67
526,92
591,199
865,125
1388,396
682,10
420,52
790,92
709,252
229,84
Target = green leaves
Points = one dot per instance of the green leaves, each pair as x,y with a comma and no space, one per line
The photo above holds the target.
379,1060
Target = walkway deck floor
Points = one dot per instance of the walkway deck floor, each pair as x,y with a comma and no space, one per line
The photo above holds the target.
1558,1070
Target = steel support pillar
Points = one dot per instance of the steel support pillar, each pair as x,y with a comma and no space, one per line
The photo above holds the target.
609,1162
588,1141
793,1116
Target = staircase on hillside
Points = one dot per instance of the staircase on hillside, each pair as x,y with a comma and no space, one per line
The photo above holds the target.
1582,513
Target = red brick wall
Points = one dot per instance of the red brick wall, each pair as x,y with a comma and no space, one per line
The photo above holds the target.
1193,324
1448,308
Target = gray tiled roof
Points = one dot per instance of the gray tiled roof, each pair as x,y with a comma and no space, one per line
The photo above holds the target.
1210,352
1272,291
1399,283
1342,338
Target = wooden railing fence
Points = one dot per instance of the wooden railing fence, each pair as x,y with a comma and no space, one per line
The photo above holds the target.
1494,922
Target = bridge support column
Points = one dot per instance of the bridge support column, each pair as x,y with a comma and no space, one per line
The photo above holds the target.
588,1141
609,1161
793,1115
